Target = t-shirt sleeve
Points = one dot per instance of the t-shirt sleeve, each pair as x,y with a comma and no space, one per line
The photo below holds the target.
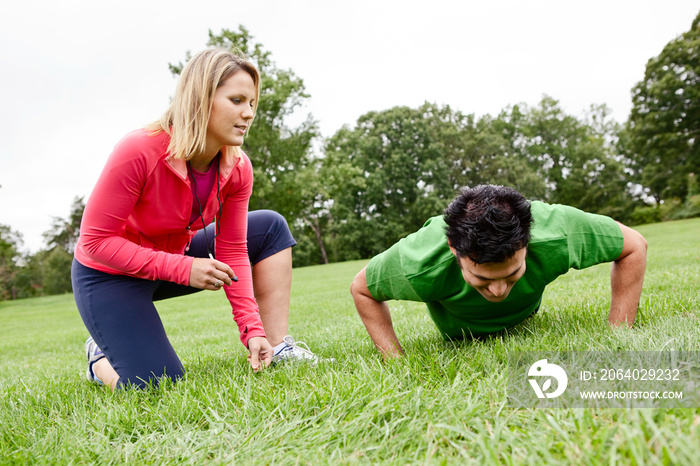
386,278
592,238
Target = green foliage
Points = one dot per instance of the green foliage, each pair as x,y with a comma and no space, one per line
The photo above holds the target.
646,214
671,209
503,160
56,271
688,209
571,161
64,232
30,277
279,153
46,271
390,173
398,167
664,126
445,403
276,150
310,228
10,243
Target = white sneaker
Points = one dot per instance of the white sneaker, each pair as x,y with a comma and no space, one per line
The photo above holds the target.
94,354
293,352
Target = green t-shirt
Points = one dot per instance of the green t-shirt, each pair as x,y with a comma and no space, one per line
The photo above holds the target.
422,268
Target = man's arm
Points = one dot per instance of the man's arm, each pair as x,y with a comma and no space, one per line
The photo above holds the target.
376,317
627,277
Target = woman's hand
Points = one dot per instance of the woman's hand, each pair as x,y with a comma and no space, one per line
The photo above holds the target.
259,353
210,274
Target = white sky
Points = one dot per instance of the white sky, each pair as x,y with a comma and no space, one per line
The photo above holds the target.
77,75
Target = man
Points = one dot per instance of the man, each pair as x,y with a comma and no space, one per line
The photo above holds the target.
484,265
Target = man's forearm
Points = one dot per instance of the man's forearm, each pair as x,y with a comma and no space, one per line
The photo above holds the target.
376,317
627,279
626,282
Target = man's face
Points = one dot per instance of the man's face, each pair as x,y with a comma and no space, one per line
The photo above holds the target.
493,280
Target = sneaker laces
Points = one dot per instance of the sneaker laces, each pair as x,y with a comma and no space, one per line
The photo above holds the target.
295,350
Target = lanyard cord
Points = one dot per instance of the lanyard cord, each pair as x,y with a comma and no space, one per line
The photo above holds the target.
201,213
199,204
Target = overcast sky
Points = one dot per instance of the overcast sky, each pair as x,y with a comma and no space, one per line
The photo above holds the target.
77,75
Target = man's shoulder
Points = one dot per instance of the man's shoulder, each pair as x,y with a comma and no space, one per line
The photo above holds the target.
420,245
543,214
423,258
552,221
559,219
428,241
436,223
565,231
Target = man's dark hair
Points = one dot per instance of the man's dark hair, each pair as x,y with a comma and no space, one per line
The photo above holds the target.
488,223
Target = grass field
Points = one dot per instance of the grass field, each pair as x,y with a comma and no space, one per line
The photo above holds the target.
444,403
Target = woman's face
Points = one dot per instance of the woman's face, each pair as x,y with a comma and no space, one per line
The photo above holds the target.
231,111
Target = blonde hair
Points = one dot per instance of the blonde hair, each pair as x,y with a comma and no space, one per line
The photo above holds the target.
187,118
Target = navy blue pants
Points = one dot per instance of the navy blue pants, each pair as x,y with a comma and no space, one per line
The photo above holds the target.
119,313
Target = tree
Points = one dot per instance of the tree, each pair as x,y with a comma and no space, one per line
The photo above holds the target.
593,178
47,271
313,218
664,125
505,160
56,268
64,233
10,244
552,144
569,160
278,152
29,279
398,167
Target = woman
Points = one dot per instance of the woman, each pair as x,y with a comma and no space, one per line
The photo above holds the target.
144,234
